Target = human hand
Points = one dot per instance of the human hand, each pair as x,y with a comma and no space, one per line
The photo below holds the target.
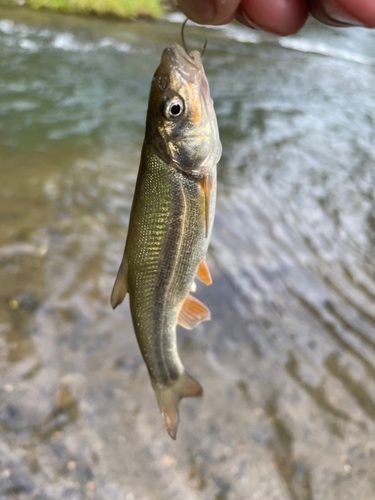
282,17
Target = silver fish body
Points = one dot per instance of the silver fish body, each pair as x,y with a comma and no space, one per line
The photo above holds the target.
170,224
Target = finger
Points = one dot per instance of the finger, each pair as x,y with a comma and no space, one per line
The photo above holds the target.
282,17
209,11
344,12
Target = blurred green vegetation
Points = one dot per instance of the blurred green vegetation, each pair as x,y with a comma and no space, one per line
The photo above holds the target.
116,8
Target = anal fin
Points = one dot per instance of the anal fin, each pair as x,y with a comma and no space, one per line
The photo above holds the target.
192,312
120,287
203,273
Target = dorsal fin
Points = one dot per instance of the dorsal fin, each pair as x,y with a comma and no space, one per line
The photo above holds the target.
120,287
192,312
203,273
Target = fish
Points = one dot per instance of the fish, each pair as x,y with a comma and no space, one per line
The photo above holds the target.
170,223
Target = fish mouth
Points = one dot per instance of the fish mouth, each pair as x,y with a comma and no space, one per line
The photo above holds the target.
188,65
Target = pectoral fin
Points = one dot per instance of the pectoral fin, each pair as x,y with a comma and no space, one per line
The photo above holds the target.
192,312
207,187
120,287
203,273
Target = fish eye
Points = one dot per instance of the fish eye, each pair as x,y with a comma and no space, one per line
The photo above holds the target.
173,108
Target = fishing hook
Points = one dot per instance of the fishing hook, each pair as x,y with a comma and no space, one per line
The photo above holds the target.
183,38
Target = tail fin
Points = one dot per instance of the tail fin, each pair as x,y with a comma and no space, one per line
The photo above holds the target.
169,396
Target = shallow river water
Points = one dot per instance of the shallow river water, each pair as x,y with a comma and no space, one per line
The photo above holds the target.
287,362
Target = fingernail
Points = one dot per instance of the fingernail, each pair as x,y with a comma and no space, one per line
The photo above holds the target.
341,16
243,18
201,12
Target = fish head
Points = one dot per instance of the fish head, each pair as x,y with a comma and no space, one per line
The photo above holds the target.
181,121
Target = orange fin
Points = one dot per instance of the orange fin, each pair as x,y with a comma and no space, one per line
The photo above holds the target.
120,287
203,273
208,185
192,312
169,397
